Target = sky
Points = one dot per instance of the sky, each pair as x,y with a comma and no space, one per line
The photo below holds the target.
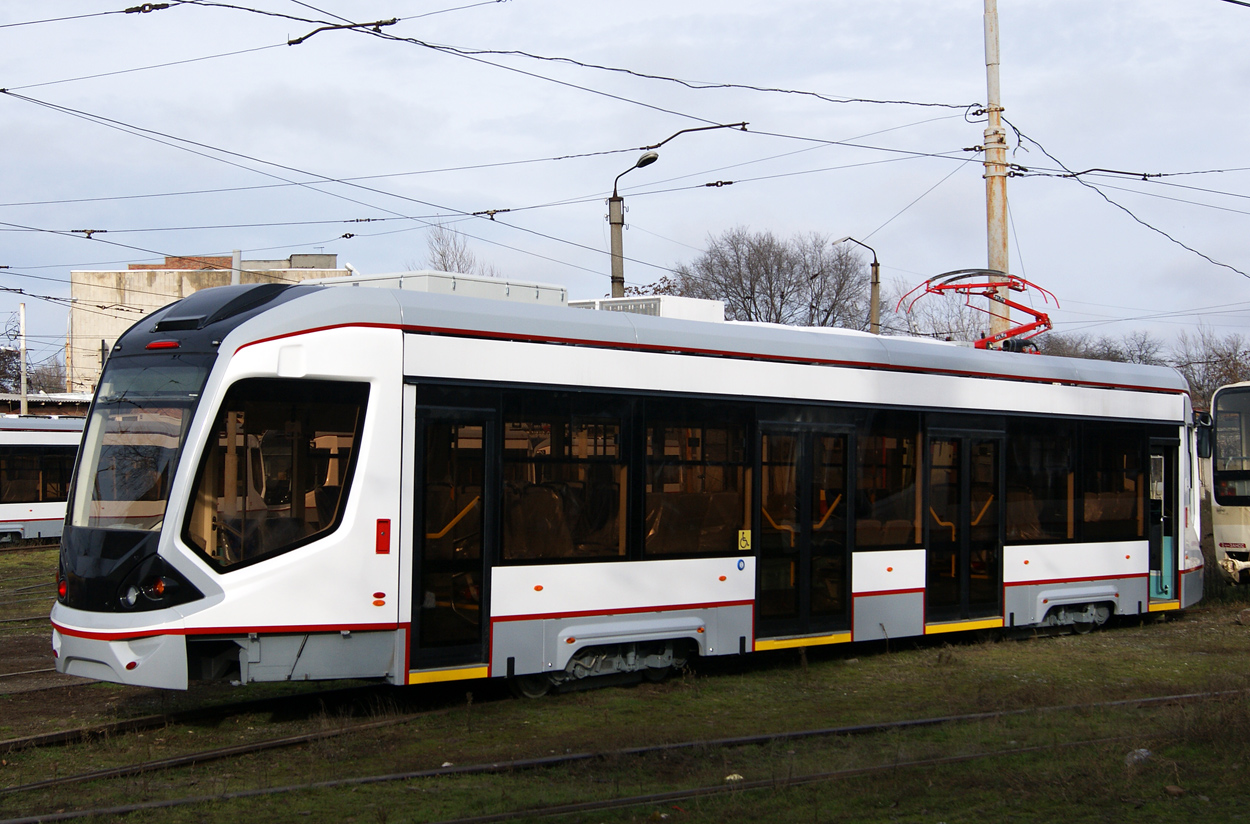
197,129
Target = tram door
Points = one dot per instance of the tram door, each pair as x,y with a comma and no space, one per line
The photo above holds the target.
802,528
965,531
1163,536
453,517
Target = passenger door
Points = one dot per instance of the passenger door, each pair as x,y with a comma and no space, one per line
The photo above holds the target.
803,525
455,519
964,484
1162,501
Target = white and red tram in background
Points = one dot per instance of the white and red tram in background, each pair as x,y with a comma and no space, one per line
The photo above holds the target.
311,482
36,461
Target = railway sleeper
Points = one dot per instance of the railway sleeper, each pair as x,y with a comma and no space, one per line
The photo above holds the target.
607,664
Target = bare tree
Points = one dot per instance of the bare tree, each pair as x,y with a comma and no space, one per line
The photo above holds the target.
761,277
835,282
1208,361
945,317
1133,347
447,250
48,376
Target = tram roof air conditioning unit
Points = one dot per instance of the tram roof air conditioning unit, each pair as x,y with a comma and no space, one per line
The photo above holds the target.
660,306
452,283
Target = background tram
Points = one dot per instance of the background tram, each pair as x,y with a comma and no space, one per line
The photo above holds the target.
36,459
321,481
1230,480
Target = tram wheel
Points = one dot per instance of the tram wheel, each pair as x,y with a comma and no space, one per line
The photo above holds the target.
655,675
534,685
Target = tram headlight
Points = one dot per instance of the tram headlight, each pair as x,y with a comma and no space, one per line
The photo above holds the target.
154,584
130,597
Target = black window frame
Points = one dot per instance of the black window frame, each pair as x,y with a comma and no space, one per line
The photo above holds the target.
303,389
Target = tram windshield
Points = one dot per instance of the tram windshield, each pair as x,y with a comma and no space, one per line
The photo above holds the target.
1231,459
132,440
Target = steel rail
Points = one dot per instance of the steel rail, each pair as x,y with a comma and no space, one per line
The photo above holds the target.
26,672
30,548
48,599
28,577
219,753
762,784
146,722
48,584
570,758
543,811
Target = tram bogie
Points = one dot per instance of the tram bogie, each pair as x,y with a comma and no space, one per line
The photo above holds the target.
322,482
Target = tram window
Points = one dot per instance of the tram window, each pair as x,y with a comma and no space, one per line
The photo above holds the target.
1114,482
1041,480
57,469
20,480
35,474
277,468
697,486
1231,461
564,487
888,498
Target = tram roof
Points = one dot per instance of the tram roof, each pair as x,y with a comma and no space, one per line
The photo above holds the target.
302,307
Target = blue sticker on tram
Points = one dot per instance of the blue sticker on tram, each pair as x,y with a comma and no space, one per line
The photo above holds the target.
742,564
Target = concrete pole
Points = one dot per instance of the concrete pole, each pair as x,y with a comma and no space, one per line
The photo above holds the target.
616,220
236,267
69,348
995,171
22,324
874,310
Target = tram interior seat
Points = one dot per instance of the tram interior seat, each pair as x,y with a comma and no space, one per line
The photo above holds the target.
535,525
254,534
1093,507
896,532
1022,516
688,522
869,532
893,532
1109,506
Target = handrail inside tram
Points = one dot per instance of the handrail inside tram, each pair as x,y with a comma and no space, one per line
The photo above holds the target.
434,536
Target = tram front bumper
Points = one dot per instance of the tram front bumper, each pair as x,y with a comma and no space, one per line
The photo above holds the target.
149,661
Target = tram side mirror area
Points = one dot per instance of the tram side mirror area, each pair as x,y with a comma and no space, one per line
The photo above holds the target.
1202,426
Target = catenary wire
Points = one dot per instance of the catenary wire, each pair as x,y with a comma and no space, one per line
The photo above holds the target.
1024,137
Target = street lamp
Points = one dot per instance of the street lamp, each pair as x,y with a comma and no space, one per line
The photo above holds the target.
616,219
874,300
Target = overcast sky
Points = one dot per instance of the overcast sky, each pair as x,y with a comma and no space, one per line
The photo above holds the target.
244,133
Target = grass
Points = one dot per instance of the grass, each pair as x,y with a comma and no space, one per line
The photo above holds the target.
20,569
1194,773
1193,746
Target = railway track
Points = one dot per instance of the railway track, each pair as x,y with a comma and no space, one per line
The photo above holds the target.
339,696
567,759
20,547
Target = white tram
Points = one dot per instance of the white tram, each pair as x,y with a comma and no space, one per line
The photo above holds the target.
311,482
1229,480
36,459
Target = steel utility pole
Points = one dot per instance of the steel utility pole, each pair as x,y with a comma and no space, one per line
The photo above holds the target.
995,171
